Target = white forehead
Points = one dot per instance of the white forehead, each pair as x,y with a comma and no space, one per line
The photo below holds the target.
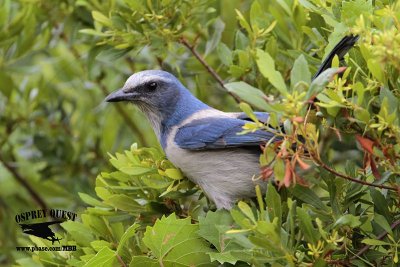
146,77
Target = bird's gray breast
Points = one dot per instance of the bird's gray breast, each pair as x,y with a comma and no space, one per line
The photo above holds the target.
225,175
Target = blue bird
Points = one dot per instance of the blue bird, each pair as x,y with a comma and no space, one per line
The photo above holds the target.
200,140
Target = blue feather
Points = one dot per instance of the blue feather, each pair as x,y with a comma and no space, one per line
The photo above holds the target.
261,116
217,132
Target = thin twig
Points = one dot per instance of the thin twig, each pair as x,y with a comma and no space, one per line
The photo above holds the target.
329,169
121,261
379,237
13,170
208,67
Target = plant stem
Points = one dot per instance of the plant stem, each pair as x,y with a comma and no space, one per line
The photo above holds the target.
379,237
121,261
13,170
208,67
329,169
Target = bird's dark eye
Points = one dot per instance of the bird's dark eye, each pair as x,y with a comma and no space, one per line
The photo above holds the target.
152,86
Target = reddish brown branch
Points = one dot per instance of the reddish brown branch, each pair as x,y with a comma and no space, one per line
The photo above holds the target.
329,169
13,170
379,237
208,67
121,261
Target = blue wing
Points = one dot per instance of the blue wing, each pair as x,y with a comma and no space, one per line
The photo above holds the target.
261,116
215,133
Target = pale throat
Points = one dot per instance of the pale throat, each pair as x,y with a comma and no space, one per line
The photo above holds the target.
153,117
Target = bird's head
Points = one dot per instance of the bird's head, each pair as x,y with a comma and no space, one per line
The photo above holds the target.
153,88
160,95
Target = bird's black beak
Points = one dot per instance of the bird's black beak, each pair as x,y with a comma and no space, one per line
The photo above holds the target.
120,95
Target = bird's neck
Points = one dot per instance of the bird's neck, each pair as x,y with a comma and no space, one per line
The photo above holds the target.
185,106
174,111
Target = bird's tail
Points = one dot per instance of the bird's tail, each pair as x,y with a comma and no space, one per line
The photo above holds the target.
340,50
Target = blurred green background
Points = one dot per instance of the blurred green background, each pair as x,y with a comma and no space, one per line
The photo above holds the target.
59,59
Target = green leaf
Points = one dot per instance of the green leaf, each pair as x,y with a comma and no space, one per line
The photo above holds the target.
156,181
99,17
97,245
335,62
243,21
393,101
374,242
218,27
136,170
241,220
124,202
224,54
241,41
269,238
362,115
140,261
319,83
249,94
340,29
376,69
94,32
311,234
174,174
258,19
308,196
81,233
175,242
383,223
300,72
245,208
248,111
266,65
274,206
225,257
279,169
104,258
244,59
380,204
91,200
236,71
130,232
353,9
213,228
265,243
349,220
8,84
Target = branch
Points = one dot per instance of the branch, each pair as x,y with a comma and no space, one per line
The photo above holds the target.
121,261
13,170
379,237
329,169
208,67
